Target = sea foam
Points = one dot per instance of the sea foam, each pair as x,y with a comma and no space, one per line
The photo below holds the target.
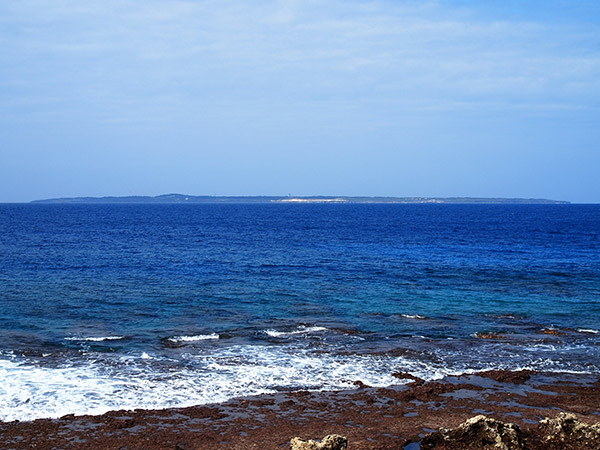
588,331
299,330
30,391
95,339
195,338
94,383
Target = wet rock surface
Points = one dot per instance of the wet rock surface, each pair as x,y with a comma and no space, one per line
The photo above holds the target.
371,418
517,377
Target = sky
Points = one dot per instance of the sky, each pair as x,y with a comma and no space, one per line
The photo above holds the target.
301,97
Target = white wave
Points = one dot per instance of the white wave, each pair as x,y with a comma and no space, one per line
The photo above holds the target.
413,316
211,375
30,391
540,347
95,339
588,330
554,348
300,330
199,337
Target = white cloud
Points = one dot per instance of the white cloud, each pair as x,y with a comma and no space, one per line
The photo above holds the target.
188,54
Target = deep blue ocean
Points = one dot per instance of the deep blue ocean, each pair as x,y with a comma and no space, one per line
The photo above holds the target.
129,306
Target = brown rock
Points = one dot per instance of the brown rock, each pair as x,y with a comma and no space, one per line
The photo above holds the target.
517,377
477,433
330,442
567,431
490,336
408,376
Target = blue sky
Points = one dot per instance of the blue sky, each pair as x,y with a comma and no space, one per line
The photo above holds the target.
441,98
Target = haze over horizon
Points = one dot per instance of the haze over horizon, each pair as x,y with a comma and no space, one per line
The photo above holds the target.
441,98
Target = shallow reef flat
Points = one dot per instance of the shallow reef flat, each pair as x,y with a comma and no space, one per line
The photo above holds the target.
405,416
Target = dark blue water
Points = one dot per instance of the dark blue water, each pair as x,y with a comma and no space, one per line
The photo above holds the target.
108,301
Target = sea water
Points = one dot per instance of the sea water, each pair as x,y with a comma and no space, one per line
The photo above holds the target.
148,306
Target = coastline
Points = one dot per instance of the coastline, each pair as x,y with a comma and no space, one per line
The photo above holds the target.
371,418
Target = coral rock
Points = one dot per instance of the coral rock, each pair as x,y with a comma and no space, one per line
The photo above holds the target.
477,433
568,431
331,442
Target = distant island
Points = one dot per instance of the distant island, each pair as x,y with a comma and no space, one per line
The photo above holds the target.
196,199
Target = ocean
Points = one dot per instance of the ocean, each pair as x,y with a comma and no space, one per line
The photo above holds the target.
106,307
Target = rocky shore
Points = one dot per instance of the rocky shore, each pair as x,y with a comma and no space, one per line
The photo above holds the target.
526,409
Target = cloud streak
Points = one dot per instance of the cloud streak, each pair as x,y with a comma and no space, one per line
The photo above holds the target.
207,52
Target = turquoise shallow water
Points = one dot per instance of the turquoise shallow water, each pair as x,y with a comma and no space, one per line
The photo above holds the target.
163,305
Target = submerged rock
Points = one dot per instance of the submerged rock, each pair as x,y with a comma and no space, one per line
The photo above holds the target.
477,433
330,442
567,431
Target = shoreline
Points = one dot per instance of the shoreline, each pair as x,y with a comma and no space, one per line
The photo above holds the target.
371,418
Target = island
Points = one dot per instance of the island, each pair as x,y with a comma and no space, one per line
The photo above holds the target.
182,199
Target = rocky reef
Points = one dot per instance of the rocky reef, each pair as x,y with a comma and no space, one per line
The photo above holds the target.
565,432
477,433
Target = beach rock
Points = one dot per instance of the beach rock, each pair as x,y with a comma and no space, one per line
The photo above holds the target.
330,442
477,433
567,431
